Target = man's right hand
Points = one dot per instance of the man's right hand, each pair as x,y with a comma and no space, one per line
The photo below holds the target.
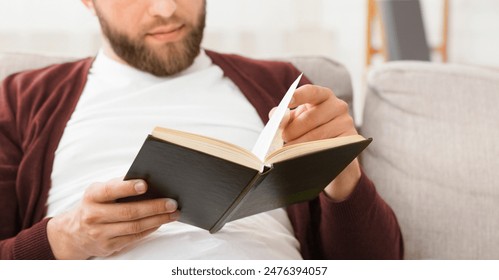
99,226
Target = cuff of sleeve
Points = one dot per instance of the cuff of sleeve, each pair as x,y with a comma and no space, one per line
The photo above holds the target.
356,205
33,243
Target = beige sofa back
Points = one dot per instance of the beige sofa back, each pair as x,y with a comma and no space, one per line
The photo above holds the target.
435,156
16,62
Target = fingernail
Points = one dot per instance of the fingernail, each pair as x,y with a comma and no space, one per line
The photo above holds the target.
140,187
171,204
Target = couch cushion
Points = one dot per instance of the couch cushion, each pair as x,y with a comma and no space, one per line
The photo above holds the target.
435,155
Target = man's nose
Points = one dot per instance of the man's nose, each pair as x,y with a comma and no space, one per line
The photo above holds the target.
162,8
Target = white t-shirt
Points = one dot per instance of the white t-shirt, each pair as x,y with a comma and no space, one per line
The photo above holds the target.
118,108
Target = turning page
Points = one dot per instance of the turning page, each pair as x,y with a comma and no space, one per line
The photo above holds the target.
270,138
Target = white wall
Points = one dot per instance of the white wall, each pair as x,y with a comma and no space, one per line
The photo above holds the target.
260,28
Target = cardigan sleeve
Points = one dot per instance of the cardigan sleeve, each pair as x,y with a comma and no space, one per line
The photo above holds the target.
31,243
361,227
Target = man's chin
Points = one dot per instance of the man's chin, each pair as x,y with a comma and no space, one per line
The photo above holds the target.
164,63
159,59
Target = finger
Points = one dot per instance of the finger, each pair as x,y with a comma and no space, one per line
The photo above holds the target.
309,117
114,189
310,94
129,211
141,225
113,245
119,243
341,126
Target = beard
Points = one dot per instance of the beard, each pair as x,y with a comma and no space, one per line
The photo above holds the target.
165,60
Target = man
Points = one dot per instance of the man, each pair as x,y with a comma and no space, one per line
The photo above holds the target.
66,130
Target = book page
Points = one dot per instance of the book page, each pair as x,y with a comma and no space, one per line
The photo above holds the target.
301,149
208,145
270,138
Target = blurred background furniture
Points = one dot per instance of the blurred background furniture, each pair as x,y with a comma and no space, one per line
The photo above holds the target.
402,29
435,155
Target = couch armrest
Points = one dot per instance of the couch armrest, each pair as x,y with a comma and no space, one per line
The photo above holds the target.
435,155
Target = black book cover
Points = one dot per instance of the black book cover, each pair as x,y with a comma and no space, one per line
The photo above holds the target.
211,191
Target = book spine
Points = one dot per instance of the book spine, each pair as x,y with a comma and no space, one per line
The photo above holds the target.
239,199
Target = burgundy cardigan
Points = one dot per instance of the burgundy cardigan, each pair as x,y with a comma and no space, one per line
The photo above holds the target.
36,105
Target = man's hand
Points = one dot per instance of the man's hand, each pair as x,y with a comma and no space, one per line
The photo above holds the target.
319,114
99,226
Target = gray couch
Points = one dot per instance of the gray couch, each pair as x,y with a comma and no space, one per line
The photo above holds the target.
434,154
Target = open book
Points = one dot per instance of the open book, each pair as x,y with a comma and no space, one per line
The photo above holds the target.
215,182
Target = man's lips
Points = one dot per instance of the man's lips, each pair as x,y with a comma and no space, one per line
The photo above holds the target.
166,33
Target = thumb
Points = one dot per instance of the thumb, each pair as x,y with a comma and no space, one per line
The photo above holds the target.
272,112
